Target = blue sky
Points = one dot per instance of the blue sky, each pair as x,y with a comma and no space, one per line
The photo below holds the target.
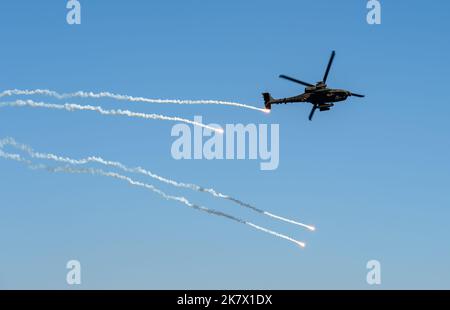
372,174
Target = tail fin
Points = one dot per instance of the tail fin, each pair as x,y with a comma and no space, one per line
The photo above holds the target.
267,100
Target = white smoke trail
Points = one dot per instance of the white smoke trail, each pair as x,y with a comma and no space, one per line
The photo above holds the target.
15,157
274,233
83,94
76,107
150,187
310,227
99,160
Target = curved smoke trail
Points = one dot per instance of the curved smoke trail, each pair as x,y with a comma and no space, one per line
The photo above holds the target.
92,95
150,187
99,160
76,107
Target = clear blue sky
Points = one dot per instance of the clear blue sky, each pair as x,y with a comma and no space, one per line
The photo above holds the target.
372,174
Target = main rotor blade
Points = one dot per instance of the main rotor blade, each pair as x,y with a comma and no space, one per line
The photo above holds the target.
295,80
358,95
330,62
312,112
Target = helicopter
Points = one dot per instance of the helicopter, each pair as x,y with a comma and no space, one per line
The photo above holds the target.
319,95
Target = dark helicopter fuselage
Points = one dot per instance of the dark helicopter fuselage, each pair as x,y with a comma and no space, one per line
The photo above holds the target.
319,96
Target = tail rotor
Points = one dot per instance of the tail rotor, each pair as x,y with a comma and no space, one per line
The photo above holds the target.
267,100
